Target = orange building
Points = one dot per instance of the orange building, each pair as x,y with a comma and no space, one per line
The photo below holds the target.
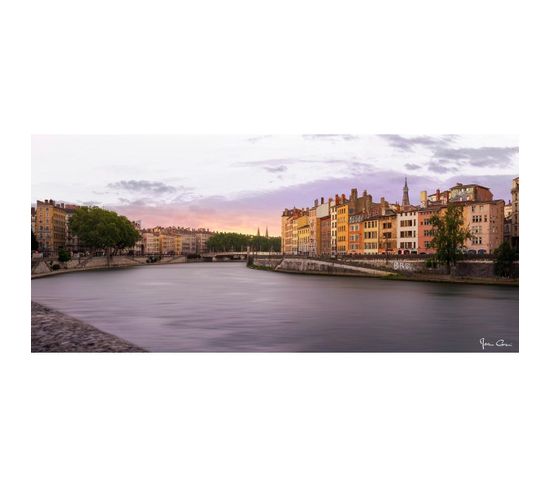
425,229
50,226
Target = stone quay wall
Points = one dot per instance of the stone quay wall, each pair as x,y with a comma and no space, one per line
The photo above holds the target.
405,266
313,266
42,267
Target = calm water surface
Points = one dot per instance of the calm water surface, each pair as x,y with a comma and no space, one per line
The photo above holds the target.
228,307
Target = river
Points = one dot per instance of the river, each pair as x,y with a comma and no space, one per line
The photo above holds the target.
229,307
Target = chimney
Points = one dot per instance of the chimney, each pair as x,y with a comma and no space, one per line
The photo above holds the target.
423,199
438,195
343,197
364,193
322,200
316,202
353,195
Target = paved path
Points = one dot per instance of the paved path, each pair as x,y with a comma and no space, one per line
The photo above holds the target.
52,331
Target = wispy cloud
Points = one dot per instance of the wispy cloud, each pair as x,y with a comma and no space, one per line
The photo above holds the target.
408,143
439,168
330,137
255,139
276,169
481,157
412,166
143,186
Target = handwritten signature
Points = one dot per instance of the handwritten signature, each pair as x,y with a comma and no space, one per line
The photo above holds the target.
499,343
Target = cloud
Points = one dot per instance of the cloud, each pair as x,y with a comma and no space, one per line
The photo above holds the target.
255,139
439,168
89,203
412,166
143,186
408,143
481,157
330,137
276,169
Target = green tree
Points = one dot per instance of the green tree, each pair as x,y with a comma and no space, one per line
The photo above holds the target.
64,256
234,242
103,229
449,235
34,242
505,255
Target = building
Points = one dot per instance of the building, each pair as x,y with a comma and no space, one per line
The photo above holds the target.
312,222
514,231
50,226
167,244
387,232
405,200
325,237
485,221
469,193
425,228
33,219
371,234
508,222
322,224
355,233
333,205
302,234
438,198
342,225
188,243
151,243
202,236
407,232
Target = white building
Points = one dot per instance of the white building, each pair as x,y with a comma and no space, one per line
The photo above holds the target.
407,232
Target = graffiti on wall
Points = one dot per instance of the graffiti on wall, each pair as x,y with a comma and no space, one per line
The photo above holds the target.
402,266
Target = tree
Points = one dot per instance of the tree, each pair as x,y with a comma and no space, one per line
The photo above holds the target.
103,229
449,235
505,255
34,242
234,242
64,256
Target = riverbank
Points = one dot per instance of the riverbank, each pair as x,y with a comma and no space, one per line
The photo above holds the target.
311,266
42,269
53,331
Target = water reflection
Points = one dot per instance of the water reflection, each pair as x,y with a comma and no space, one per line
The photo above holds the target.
228,307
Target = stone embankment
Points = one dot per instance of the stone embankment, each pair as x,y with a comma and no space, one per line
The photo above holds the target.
44,267
474,272
53,331
314,266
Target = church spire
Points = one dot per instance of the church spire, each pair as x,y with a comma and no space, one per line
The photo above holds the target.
258,234
405,202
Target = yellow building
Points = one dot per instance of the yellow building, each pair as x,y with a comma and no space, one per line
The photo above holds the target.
342,227
302,234
167,243
178,244
151,243
50,226
371,235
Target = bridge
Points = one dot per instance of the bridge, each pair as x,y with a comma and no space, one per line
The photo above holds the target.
235,255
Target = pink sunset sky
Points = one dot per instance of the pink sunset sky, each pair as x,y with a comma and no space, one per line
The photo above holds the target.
240,183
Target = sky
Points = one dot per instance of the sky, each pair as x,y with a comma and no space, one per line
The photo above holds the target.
241,183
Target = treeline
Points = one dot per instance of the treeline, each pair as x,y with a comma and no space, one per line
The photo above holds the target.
232,241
